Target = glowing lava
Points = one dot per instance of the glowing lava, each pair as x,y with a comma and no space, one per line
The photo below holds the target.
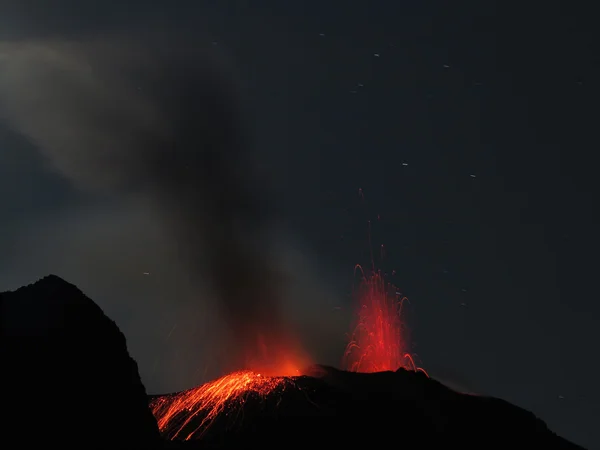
379,343
380,339
188,414
205,403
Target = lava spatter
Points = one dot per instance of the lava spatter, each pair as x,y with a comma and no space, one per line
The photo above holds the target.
380,341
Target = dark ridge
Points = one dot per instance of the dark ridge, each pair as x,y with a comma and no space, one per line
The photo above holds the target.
331,407
68,381
67,375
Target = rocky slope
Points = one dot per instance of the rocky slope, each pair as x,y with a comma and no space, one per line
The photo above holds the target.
67,377
338,409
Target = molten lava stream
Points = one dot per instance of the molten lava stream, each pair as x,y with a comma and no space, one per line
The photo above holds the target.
189,414
380,340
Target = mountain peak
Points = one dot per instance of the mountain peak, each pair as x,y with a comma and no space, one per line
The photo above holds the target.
60,352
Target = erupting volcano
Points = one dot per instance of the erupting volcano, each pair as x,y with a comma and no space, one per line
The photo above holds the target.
378,343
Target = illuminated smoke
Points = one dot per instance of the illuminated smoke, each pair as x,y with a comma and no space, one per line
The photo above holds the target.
161,120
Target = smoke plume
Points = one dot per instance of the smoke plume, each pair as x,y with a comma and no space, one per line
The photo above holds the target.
160,120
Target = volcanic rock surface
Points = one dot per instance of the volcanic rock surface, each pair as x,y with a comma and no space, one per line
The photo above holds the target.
68,380
331,408
67,377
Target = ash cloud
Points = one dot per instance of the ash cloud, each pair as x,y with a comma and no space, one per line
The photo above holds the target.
156,119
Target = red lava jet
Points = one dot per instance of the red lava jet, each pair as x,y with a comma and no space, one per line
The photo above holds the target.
379,343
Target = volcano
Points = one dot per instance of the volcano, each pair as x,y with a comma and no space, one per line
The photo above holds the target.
332,407
68,379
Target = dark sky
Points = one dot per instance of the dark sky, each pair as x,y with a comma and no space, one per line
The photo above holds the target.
470,128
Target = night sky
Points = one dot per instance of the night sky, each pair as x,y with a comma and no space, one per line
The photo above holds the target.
468,126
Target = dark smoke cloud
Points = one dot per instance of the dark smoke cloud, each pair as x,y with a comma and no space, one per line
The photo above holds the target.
155,118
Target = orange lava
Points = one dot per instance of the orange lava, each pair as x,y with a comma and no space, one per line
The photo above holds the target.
379,343
206,402
380,340
188,414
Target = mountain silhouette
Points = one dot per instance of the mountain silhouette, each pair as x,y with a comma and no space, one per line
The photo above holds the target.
68,379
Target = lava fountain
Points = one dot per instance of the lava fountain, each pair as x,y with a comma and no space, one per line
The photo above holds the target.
380,341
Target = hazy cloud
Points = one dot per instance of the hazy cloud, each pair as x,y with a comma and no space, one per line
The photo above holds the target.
156,124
